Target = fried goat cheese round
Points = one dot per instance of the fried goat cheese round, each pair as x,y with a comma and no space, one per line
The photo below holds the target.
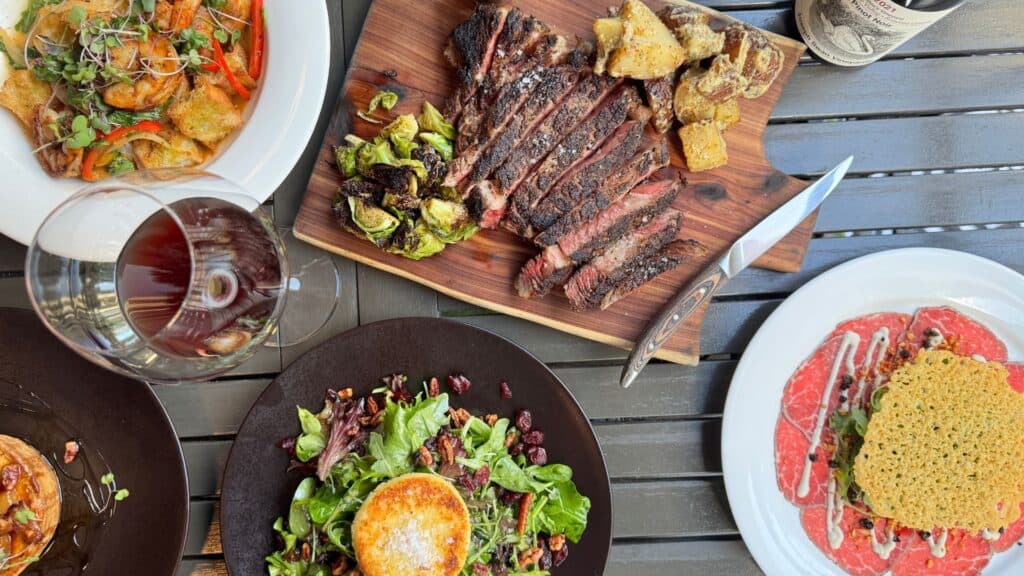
29,505
945,448
414,525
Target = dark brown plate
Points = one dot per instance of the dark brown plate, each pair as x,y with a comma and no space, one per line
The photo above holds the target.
122,426
257,489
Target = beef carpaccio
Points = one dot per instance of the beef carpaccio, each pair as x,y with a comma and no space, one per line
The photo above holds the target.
563,157
835,391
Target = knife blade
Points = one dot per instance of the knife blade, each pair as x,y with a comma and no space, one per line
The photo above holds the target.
741,254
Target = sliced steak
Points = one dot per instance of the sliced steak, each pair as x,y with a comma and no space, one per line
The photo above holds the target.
605,163
660,92
571,151
607,187
470,50
588,286
554,265
643,270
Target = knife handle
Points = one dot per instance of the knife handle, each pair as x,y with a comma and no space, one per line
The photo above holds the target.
698,292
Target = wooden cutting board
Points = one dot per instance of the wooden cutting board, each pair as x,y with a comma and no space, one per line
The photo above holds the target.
401,50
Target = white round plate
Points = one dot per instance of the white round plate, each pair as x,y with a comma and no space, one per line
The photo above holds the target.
894,281
279,120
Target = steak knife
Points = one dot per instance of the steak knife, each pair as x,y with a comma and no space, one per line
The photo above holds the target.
741,254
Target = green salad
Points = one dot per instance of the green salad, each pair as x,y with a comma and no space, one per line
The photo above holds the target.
523,511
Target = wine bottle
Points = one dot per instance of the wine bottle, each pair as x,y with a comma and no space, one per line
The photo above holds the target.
859,32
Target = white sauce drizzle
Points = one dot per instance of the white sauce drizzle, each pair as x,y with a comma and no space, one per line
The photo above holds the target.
878,345
845,355
884,548
937,545
978,358
990,536
834,516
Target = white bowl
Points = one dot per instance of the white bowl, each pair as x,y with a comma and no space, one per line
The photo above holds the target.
279,120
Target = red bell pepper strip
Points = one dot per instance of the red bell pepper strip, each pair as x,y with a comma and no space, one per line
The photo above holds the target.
258,40
210,66
232,79
89,163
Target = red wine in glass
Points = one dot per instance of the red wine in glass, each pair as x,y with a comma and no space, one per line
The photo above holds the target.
204,285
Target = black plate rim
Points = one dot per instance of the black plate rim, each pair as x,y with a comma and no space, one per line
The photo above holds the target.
592,435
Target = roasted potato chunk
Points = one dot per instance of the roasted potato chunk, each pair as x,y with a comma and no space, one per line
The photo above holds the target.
721,82
727,114
206,115
609,33
675,15
22,93
699,41
646,49
690,105
180,152
703,146
754,56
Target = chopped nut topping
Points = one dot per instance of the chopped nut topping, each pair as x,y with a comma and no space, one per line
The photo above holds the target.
491,419
345,393
424,458
459,417
434,387
446,450
556,542
524,512
371,405
531,556
510,439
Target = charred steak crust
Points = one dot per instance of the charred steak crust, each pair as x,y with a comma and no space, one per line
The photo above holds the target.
543,272
588,286
609,187
660,92
585,181
643,270
470,49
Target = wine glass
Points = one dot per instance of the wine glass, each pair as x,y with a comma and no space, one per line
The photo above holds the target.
171,276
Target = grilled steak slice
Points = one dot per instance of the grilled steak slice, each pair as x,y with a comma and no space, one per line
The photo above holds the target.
588,286
584,98
470,50
554,265
584,181
609,187
481,124
572,150
659,93
550,50
643,270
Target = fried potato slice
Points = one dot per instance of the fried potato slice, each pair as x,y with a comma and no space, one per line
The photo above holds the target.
22,93
180,152
206,114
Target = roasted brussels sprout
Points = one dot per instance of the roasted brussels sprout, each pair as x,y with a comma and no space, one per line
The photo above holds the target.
346,158
415,242
378,224
431,120
371,154
403,148
443,145
432,161
448,220
404,126
365,189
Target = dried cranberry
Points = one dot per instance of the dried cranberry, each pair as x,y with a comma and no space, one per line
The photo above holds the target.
431,444
482,476
533,438
516,449
545,560
288,445
396,385
537,455
506,391
509,497
467,482
459,383
559,556
524,420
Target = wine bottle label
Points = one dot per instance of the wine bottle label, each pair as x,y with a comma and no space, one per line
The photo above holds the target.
859,32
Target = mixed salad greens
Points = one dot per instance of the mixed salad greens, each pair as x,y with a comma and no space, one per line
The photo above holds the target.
521,512
392,194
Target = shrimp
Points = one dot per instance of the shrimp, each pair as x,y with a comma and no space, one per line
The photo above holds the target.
182,14
164,74
57,159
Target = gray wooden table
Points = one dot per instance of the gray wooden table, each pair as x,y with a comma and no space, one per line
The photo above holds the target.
938,131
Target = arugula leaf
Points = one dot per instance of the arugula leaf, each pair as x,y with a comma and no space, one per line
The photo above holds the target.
312,441
551,473
565,512
507,474
876,398
403,430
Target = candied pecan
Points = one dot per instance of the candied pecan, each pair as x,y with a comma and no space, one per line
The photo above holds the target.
372,408
424,457
345,393
365,421
459,384
446,450
537,455
506,391
339,567
533,438
524,512
481,569
524,420
556,542
459,417
71,449
9,476
306,551
511,438
375,420
433,388
490,419
530,556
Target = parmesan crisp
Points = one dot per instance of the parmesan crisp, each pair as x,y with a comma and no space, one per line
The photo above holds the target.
945,448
